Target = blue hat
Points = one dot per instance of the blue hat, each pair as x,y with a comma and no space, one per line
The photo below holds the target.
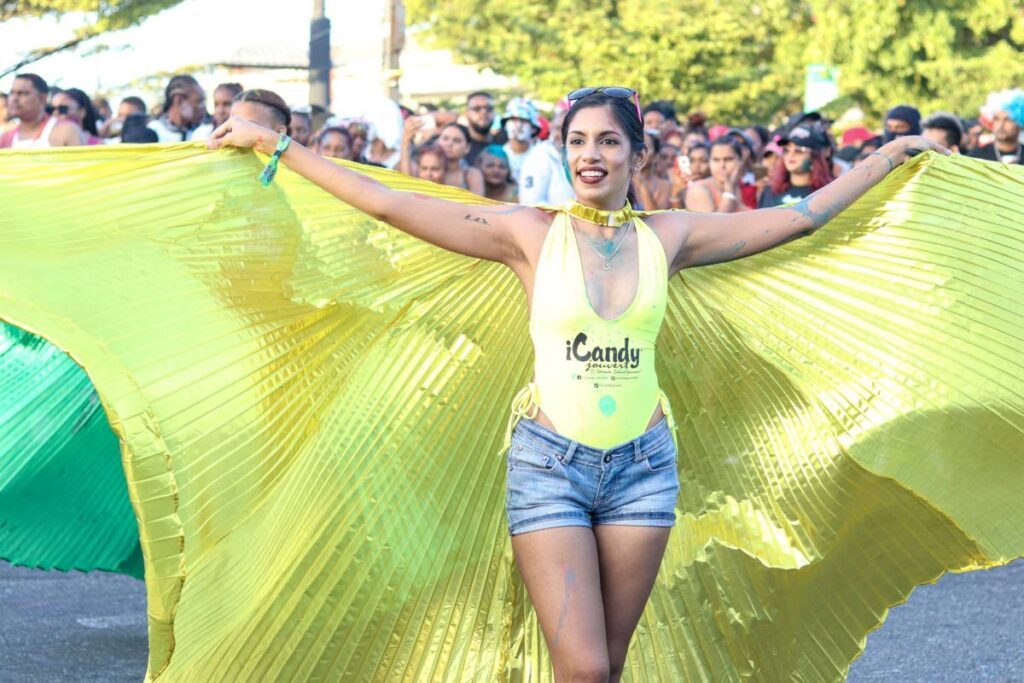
521,108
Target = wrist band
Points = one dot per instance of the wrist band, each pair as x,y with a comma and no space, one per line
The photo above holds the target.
270,170
729,195
884,156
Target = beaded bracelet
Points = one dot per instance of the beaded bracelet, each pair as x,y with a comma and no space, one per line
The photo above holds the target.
270,170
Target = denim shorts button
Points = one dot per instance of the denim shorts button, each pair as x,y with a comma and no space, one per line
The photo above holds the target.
608,458
519,447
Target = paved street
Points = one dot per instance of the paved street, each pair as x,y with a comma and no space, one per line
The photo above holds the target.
91,627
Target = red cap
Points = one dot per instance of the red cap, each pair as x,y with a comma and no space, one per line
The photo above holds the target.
857,134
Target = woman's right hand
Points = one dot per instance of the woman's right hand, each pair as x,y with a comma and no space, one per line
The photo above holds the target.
238,132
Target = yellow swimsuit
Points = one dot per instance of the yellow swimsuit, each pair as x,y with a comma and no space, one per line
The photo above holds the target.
594,378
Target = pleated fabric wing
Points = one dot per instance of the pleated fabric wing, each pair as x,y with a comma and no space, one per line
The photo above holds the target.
310,408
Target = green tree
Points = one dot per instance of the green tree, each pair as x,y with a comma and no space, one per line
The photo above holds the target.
743,60
738,61
104,16
935,54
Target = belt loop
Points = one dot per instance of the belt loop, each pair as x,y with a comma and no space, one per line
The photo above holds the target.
571,451
638,453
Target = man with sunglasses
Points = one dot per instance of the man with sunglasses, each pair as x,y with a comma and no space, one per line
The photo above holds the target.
480,119
36,128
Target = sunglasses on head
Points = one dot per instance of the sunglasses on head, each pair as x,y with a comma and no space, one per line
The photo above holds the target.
611,91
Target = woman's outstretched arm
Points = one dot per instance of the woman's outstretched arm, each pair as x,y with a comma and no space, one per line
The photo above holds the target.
486,232
699,239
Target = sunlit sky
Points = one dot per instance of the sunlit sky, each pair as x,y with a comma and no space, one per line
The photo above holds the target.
195,32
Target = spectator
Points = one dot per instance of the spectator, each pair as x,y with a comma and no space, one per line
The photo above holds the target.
334,142
675,136
264,107
667,156
301,130
902,120
103,110
498,183
454,140
771,156
431,163
748,181
36,128
223,97
359,131
721,192
543,178
135,129
759,137
868,148
1006,110
5,119
184,108
659,116
945,129
113,126
521,124
75,106
972,135
805,167
480,121
689,168
652,191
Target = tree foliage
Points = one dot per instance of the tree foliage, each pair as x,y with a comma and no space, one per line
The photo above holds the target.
725,58
104,16
935,54
744,60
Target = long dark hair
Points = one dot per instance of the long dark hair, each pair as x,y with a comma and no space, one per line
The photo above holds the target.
89,110
821,173
624,112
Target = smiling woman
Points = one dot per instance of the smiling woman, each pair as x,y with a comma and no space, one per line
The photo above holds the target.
308,394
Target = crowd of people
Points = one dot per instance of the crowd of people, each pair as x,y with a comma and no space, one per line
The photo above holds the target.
513,153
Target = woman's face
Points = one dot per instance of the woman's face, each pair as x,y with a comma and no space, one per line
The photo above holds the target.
64,102
431,167
654,120
796,159
359,135
700,163
334,145
666,157
454,143
495,170
599,157
724,161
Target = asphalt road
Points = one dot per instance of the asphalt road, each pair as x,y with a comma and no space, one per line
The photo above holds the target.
92,627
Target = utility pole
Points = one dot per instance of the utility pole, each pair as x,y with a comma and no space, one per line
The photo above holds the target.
394,41
319,65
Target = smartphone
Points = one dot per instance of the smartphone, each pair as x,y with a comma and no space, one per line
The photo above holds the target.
683,164
429,120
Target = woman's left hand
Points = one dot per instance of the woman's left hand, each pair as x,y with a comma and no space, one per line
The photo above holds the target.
907,146
238,132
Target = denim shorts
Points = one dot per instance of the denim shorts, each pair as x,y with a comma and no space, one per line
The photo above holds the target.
554,481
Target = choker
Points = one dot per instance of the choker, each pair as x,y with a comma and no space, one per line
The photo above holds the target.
615,219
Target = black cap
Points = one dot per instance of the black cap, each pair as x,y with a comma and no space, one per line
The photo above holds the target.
809,136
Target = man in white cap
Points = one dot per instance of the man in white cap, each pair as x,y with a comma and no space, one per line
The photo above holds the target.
521,123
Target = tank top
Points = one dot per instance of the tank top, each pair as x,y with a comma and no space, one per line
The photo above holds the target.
594,378
41,141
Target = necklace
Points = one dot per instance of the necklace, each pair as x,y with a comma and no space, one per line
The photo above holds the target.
607,260
599,216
